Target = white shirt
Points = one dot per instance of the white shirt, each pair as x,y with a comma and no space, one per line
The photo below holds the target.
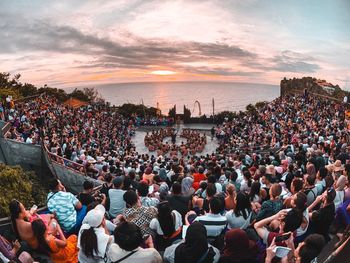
142,255
234,221
339,199
29,140
103,241
216,223
301,231
154,224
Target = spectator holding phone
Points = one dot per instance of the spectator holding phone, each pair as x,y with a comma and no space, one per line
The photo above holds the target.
287,222
306,252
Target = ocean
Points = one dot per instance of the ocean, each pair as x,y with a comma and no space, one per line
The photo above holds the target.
227,95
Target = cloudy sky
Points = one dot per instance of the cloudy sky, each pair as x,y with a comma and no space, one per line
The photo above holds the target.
77,43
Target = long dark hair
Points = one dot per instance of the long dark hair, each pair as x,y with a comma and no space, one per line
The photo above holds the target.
254,190
195,246
39,228
166,219
243,204
88,242
248,176
15,210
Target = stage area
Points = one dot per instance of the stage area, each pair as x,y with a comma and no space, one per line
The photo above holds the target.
210,146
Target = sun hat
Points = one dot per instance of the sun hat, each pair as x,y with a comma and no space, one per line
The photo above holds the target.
95,216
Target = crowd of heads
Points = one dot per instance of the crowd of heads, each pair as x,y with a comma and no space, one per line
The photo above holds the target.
238,204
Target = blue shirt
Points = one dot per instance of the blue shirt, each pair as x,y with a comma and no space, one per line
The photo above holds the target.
63,203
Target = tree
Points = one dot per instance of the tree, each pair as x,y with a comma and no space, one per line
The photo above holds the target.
79,94
172,112
251,109
15,183
187,114
93,95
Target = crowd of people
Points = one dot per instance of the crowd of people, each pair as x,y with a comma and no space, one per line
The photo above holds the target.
195,142
234,206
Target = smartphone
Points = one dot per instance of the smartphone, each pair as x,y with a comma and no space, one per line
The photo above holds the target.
281,252
33,209
282,237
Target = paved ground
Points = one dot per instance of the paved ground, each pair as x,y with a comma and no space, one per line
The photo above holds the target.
210,147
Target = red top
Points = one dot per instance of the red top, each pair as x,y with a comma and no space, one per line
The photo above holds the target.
197,178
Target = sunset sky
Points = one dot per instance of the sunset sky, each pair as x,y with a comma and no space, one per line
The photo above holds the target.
86,43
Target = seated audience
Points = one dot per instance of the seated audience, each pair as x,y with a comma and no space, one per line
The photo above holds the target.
129,246
194,248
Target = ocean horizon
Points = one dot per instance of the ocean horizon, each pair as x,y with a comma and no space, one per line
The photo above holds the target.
228,96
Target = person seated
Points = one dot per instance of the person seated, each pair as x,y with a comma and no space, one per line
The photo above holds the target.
230,199
238,248
289,222
273,205
128,246
67,208
194,248
13,251
310,189
143,192
21,222
213,221
299,201
55,244
322,218
138,214
94,239
116,201
306,252
178,201
167,225
241,215
87,197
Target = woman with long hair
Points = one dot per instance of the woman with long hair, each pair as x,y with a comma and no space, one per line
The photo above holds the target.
240,216
230,199
59,249
194,248
167,225
21,222
94,238
299,201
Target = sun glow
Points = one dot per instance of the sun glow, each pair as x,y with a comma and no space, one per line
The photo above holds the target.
163,72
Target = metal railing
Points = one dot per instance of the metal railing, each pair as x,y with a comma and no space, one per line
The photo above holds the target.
76,167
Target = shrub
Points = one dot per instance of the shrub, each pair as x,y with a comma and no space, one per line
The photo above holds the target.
15,183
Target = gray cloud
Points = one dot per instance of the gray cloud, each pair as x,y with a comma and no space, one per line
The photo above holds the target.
42,36
16,37
220,71
289,61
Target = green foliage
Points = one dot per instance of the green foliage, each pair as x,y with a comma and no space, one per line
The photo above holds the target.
15,183
220,117
4,92
251,109
13,86
172,112
187,113
80,95
59,94
128,109
260,104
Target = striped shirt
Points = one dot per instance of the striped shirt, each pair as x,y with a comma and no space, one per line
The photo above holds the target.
214,223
